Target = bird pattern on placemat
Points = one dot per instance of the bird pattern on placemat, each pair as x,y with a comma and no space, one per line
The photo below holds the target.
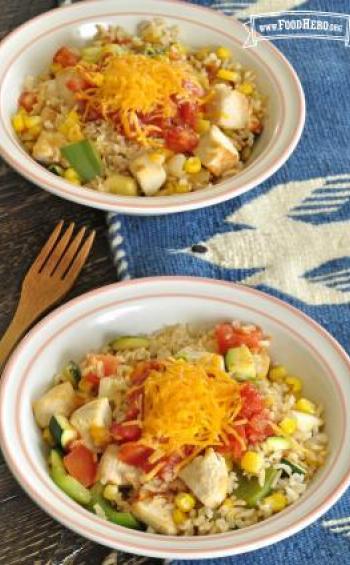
286,239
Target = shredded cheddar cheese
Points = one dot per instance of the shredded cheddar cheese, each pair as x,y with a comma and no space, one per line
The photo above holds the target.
186,405
134,85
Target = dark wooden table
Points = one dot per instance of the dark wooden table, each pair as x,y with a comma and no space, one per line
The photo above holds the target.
27,215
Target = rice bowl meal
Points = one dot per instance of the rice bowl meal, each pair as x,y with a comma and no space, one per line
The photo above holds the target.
186,431
141,115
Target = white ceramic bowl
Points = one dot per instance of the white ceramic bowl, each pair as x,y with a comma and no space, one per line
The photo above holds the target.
29,49
141,306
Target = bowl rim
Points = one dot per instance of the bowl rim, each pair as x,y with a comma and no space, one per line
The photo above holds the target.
163,550
247,179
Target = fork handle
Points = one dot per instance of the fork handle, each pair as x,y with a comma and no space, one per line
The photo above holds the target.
19,324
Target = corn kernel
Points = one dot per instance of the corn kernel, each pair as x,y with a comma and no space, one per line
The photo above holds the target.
74,133
277,501
179,517
225,74
193,165
185,501
202,126
111,492
71,175
305,405
18,123
288,425
181,187
252,462
85,385
294,383
73,117
269,401
246,88
277,373
48,437
223,53
32,121
99,434
228,504
55,68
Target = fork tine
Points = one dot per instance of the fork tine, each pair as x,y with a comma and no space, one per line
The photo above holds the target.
58,250
46,249
80,259
70,253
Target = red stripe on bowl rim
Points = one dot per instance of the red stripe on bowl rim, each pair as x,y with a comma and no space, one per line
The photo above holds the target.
132,546
60,187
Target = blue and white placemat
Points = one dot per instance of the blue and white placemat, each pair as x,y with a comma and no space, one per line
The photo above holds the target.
289,237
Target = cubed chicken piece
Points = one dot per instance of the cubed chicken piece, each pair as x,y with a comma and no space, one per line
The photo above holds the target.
110,387
61,399
157,513
207,477
62,90
95,413
112,470
229,108
216,151
175,165
47,148
149,173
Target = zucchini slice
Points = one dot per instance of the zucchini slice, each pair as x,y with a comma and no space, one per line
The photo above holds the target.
65,482
294,467
277,443
61,430
72,373
250,490
240,363
129,342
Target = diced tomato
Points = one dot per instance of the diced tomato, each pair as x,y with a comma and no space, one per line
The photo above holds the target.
181,139
170,463
137,455
134,405
27,100
81,465
188,113
259,428
252,401
91,115
142,370
66,58
259,425
92,378
125,432
234,447
156,120
77,83
227,336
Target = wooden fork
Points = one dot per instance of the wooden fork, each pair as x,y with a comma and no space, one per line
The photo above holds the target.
50,277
